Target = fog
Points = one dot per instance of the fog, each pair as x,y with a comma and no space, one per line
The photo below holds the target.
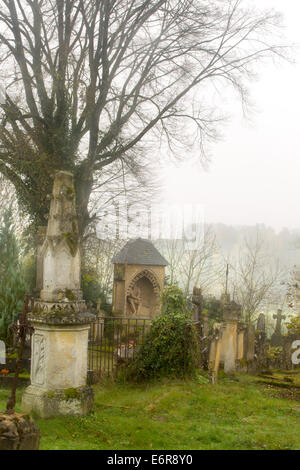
253,176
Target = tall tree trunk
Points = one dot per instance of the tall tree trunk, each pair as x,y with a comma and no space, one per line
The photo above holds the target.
83,187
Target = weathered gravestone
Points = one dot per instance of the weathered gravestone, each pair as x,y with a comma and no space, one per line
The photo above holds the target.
261,324
231,315
224,344
260,341
249,351
276,338
59,317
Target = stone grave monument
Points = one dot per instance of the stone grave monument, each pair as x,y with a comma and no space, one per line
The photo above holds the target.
276,338
260,341
59,317
231,316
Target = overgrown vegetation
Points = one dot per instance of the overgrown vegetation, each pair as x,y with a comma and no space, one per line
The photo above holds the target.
91,288
238,414
12,282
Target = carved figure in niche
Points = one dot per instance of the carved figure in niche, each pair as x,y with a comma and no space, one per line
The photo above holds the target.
134,299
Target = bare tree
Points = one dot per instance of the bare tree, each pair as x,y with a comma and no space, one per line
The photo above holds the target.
89,83
256,277
97,260
197,266
172,250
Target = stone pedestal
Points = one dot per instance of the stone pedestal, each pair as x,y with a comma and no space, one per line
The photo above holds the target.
59,366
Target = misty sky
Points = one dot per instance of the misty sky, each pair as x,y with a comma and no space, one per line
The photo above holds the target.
254,175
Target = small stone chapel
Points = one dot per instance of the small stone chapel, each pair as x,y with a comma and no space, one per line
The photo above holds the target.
139,277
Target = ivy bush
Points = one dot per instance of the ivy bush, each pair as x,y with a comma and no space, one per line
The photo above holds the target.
171,347
173,300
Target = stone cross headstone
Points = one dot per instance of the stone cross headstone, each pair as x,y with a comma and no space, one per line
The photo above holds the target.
276,338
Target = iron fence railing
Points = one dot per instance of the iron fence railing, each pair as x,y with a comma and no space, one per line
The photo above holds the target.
112,342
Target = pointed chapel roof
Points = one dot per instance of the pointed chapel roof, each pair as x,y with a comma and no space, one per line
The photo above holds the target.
139,251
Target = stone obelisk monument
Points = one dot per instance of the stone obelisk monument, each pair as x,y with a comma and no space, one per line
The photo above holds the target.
59,317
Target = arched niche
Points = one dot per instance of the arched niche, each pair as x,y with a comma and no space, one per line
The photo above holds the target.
146,284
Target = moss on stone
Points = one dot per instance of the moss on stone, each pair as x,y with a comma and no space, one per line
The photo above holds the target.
71,393
69,294
72,241
70,191
67,394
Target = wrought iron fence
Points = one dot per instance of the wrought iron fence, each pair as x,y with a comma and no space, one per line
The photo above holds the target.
114,341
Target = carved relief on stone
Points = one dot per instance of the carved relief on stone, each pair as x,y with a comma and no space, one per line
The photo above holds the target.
38,366
137,296
65,305
134,299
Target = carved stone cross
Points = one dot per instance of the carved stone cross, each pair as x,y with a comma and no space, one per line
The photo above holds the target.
279,317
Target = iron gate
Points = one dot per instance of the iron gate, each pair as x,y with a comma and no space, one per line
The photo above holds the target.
114,341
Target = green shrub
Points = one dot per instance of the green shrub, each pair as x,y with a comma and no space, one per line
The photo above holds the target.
274,352
171,347
293,326
12,283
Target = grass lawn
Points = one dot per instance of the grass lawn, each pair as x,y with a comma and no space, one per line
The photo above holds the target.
246,413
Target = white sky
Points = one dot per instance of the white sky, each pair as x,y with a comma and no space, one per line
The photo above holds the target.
254,176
